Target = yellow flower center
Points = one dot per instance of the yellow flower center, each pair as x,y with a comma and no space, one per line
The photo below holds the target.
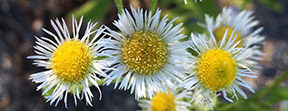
163,102
71,62
217,69
220,31
144,52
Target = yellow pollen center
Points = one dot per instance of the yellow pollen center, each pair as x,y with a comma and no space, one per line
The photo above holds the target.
217,69
71,62
220,31
163,102
144,52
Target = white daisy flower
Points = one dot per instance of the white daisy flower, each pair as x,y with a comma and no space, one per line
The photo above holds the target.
146,52
171,101
243,23
70,62
217,66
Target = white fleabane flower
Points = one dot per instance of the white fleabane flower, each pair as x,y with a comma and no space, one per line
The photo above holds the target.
171,101
217,66
70,62
243,23
145,53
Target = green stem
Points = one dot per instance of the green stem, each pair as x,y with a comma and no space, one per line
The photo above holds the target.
153,5
119,5
277,82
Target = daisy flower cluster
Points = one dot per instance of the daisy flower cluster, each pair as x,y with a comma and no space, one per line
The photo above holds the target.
148,56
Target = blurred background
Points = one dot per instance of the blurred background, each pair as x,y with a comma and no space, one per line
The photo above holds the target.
21,20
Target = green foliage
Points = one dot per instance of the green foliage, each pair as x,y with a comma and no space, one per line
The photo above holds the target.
253,104
153,5
278,94
95,10
191,51
247,105
189,14
262,100
119,5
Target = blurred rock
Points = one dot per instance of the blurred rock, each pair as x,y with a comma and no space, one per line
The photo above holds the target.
20,21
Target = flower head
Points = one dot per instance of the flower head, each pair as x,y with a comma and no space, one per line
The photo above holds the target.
217,66
243,23
70,62
145,53
171,101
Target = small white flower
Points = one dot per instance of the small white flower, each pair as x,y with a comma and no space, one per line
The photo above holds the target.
217,66
145,53
171,101
70,62
243,23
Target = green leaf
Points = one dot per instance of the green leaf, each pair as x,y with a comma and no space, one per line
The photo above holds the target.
153,5
184,39
95,10
244,105
119,5
246,3
192,52
277,95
